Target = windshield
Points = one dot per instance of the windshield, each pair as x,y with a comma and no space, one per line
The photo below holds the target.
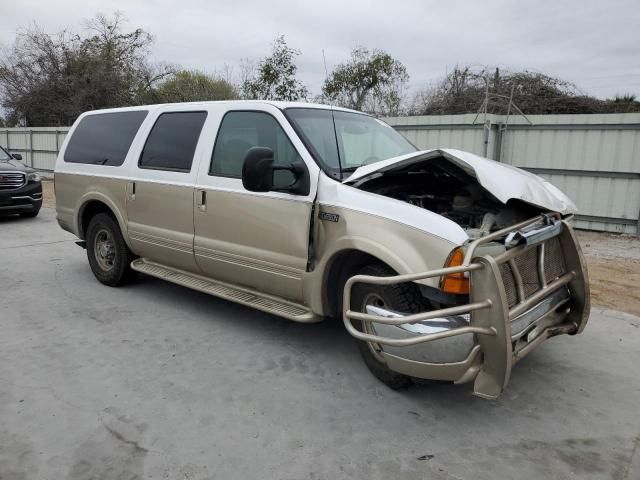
347,140
4,155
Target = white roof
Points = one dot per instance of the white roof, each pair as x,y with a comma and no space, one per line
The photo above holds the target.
277,104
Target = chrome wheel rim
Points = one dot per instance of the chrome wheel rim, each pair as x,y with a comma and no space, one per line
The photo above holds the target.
104,249
373,299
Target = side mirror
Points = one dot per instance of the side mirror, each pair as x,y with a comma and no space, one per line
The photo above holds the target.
258,168
17,156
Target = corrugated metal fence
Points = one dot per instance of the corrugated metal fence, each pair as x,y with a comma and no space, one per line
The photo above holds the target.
39,146
595,159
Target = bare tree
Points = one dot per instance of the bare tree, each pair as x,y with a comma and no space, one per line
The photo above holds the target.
50,79
464,90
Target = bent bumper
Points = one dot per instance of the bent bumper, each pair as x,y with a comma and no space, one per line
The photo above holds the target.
506,317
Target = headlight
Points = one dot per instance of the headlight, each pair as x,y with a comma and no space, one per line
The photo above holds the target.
33,177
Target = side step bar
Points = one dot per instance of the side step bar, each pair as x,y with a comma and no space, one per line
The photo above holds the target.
245,296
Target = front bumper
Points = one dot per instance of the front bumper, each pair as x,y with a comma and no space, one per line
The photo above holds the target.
27,198
506,317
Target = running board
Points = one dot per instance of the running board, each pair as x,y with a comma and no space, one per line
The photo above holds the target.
245,296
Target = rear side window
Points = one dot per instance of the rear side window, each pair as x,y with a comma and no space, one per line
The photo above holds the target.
105,138
172,141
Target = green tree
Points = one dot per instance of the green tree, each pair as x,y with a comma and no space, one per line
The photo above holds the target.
624,103
275,76
51,79
193,86
371,81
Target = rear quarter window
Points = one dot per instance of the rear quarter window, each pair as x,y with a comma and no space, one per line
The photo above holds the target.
104,138
172,141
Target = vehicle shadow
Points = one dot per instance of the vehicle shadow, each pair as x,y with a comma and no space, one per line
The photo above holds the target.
10,218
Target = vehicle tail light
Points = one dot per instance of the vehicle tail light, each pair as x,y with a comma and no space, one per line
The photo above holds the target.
455,282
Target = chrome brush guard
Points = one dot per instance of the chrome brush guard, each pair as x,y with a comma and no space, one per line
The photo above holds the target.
534,290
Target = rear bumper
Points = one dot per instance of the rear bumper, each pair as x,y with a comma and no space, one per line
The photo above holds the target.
25,199
505,319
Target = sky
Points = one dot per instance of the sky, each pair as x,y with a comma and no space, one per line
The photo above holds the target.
593,44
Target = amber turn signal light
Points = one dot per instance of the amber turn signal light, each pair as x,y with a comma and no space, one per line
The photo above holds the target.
455,282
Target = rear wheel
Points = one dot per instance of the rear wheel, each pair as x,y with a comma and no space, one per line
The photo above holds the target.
402,298
109,257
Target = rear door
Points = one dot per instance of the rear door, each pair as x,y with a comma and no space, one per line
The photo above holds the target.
161,190
259,240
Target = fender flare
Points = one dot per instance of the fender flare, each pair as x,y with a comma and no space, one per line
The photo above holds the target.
102,198
362,245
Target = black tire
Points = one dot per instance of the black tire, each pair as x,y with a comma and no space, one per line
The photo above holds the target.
114,267
403,298
31,214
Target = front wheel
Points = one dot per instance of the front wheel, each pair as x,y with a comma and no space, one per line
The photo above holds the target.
109,257
402,298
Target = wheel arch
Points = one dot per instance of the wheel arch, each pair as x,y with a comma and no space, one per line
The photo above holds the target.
342,265
91,206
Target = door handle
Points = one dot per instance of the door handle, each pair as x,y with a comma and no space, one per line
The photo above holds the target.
201,200
132,190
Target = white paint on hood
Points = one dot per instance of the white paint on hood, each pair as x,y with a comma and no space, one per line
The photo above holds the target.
503,181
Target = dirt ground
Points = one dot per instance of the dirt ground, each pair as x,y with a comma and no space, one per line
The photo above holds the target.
613,259
614,270
48,197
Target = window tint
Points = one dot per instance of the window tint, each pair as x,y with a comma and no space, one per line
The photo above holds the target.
241,131
105,138
345,140
172,141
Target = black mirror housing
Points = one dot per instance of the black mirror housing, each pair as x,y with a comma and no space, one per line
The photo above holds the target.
302,185
17,156
257,170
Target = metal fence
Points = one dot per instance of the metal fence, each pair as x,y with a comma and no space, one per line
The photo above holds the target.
39,146
595,159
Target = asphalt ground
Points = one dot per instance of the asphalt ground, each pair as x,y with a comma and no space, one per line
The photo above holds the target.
157,381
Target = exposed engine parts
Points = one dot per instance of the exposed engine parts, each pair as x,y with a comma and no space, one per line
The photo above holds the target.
446,189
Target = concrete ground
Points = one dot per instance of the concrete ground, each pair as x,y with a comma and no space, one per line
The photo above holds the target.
157,381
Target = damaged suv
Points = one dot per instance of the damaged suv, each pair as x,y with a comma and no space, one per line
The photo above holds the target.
442,264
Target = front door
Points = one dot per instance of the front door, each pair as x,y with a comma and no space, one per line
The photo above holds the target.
161,189
259,240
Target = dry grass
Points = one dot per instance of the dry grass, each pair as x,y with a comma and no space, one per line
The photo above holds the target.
613,261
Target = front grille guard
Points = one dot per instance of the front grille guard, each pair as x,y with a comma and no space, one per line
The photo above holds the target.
490,313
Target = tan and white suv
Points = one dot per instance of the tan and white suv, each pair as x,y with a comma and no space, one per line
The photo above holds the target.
442,264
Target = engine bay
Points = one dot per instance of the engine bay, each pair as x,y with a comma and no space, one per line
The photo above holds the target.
446,189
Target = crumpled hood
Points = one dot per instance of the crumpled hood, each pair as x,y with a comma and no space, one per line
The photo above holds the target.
503,181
